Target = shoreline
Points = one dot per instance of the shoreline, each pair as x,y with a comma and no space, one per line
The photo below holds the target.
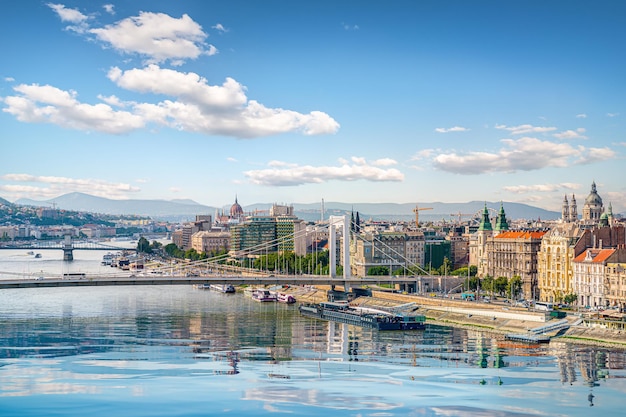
481,317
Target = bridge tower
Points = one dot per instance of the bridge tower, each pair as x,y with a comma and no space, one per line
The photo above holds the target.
68,248
333,223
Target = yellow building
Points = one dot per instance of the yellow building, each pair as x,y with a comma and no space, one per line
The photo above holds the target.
554,262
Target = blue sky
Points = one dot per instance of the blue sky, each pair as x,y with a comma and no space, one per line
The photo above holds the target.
299,101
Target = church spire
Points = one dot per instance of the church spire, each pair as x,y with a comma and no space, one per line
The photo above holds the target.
501,222
485,223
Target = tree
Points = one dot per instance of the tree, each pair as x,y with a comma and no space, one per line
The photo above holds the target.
570,298
488,284
501,285
378,270
515,286
143,246
446,267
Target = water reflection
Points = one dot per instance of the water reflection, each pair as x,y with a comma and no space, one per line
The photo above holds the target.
175,344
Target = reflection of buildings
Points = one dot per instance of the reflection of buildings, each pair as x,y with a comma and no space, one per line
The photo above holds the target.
593,363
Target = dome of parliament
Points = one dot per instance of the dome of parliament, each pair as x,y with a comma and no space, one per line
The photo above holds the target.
236,210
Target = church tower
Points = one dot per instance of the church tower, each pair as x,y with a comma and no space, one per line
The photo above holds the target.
573,210
501,222
565,210
483,237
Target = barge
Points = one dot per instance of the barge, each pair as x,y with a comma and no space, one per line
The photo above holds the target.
364,317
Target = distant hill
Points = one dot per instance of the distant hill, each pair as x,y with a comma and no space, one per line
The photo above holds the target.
184,210
4,202
152,208
404,212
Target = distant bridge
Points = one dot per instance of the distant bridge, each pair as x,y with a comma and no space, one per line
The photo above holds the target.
67,246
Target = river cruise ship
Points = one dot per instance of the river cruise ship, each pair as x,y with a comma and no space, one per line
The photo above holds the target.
364,317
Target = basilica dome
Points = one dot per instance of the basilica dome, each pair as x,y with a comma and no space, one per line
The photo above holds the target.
593,199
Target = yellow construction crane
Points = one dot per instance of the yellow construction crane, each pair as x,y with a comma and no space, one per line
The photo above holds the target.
417,210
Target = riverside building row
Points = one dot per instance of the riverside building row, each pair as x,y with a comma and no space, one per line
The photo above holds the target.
582,256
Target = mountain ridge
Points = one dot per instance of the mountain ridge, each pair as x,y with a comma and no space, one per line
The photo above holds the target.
188,209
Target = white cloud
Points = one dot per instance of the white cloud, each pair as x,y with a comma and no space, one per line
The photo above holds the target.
220,28
581,116
77,19
541,188
157,36
524,154
451,129
524,129
47,104
307,174
592,155
231,159
423,154
68,15
571,134
612,114
35,186
197,107
190,87
9,79
109,8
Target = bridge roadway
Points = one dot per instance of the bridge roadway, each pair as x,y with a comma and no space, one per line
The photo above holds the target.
92,280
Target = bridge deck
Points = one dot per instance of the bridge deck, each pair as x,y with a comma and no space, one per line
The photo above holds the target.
184,280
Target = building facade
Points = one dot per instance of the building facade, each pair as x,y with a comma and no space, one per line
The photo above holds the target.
554,262
210,242
588,281
514,253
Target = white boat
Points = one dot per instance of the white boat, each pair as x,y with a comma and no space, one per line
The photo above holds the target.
225,288
281,297
263,295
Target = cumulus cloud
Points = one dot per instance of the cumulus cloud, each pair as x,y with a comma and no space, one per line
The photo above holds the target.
77,19
47,104
38,186
525,129
592,155
541,188
157,36
571,134
524,154
581,116
196,106
612,114
451,129
293,174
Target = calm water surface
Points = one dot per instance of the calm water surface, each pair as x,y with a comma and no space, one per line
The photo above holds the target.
177,351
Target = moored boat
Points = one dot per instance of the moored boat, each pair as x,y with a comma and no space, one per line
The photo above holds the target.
282,297
376,319
263,295
225,288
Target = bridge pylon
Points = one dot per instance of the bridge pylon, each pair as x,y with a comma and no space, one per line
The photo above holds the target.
344,223
68,249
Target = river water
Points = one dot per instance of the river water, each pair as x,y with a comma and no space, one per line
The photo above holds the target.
178,351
